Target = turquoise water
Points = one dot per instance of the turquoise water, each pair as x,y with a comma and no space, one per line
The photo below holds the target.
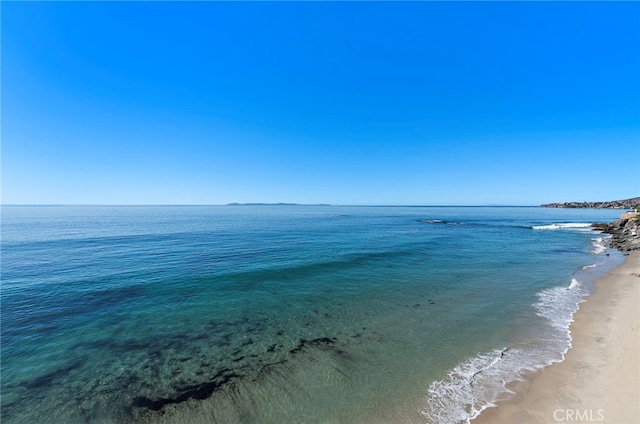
272,314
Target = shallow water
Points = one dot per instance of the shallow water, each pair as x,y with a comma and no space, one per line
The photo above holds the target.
283,313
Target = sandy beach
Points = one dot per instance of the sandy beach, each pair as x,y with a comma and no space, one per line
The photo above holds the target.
600,377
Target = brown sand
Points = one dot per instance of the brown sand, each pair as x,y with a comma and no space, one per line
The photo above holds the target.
598,382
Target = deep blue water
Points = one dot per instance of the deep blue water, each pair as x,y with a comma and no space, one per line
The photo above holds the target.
259,314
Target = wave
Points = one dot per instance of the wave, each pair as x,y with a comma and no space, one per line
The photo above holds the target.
468,389
570,225
574,283
481,381
599,245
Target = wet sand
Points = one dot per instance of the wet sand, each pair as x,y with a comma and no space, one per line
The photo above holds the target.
600,377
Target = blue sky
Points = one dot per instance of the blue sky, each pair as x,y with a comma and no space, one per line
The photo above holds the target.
320,102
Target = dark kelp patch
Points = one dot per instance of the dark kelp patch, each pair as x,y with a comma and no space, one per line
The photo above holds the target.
321,341
225,376
198,391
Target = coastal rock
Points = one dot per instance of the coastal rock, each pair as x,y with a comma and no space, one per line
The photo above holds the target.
625,232
634,202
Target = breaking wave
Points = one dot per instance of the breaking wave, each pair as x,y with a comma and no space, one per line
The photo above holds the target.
479,382
570,225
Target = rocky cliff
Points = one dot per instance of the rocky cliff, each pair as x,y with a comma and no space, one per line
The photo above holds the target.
614,204
625,232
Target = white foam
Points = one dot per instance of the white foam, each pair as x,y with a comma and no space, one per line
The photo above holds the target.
571,225
463,394
589,266
599,245
479,382
574,283
558,304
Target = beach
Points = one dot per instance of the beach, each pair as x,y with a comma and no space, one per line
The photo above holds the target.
598,380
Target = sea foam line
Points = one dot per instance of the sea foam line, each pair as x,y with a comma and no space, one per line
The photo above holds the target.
572,225
479,382
599,245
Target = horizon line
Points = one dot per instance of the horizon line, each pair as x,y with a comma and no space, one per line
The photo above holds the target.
257,204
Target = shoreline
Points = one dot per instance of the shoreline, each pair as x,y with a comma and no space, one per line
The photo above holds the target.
599,379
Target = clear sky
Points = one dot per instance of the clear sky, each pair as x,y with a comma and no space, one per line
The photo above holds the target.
320,102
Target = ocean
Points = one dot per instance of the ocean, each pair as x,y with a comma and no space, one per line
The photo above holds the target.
285,314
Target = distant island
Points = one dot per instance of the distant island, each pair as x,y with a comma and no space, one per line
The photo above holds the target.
614,204
275,204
